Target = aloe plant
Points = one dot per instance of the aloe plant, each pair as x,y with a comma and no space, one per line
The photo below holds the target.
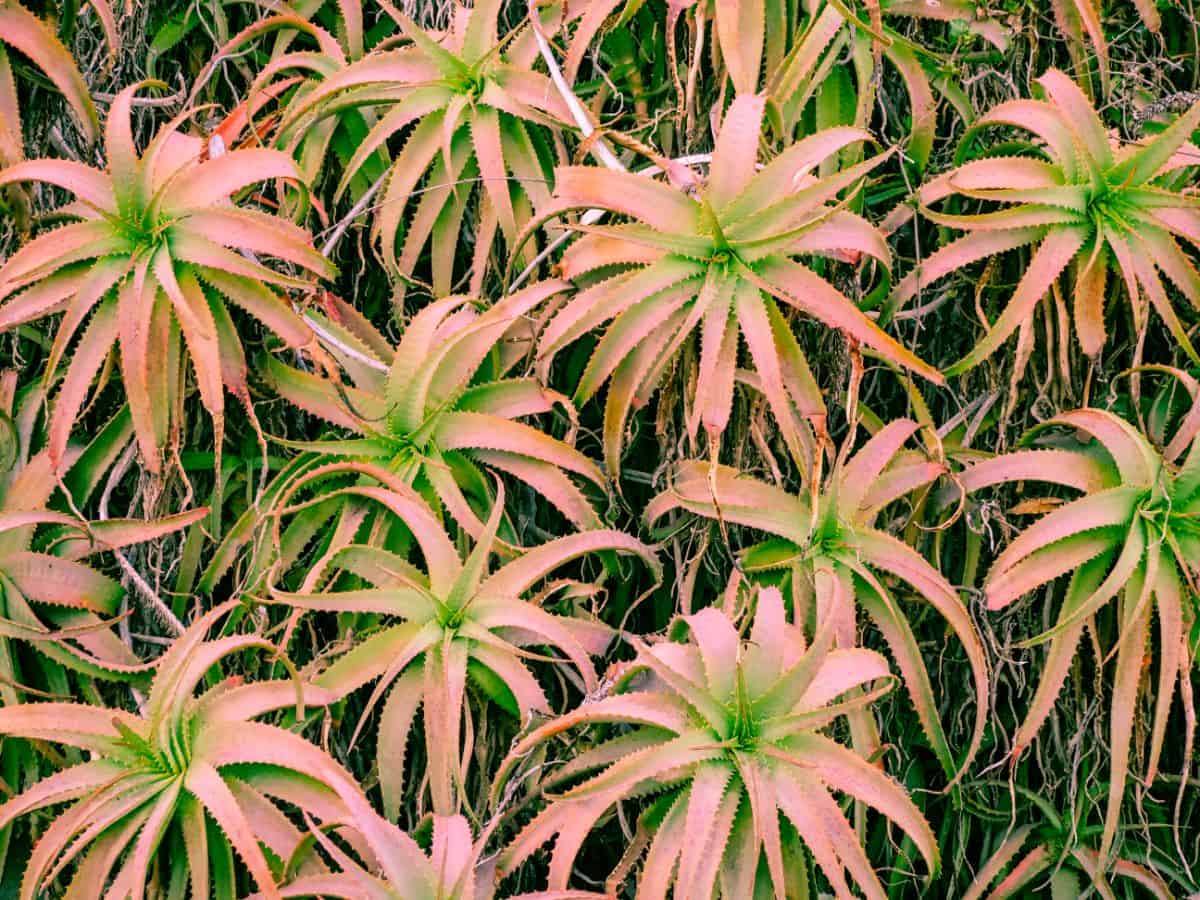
715,257
393,623
726,738
1086,203
444,405
447,622
168,795
1133,535
476,109
830,531
152,259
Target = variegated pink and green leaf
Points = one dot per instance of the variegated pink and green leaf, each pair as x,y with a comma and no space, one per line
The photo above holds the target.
37,42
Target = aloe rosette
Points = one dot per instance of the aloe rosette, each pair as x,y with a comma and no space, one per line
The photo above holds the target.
1133,537
715,257
1087,203
156,250
444,623
473,111
834,530
168,796
445,404
726,740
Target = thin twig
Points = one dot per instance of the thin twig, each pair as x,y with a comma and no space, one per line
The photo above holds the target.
355,211
154,604
598,148
148,102
332,340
